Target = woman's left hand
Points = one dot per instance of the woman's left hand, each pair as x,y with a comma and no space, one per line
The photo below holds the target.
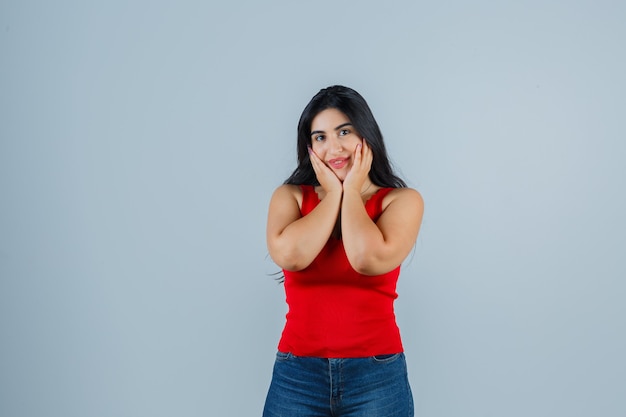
362,163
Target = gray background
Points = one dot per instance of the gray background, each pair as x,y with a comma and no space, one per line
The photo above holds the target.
141,141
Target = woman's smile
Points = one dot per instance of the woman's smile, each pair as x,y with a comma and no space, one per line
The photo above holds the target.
338,163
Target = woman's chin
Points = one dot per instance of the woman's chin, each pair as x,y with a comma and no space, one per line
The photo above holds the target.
342,174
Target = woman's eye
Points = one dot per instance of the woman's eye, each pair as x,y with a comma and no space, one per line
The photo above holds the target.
318,137
343,132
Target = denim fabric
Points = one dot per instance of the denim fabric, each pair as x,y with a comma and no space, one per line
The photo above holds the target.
376,386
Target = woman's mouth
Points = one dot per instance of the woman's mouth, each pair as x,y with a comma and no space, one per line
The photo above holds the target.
338,163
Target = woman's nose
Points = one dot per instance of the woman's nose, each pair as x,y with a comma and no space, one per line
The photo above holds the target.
336,145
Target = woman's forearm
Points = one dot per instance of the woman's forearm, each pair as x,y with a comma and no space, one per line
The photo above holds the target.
297,245
362,239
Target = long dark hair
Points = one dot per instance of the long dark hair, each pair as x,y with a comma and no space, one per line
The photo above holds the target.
354,106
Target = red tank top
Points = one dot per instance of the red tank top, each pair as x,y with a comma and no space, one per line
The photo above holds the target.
335,312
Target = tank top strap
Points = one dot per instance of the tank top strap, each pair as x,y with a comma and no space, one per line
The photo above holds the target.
374,206
310,199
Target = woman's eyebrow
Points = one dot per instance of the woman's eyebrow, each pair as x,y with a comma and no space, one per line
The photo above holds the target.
337,128
343,125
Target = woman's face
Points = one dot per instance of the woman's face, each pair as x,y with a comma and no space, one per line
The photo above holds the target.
334,140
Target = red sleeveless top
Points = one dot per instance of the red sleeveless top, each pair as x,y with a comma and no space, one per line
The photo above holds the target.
335,312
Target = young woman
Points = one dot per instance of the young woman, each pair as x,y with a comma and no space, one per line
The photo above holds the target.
340,227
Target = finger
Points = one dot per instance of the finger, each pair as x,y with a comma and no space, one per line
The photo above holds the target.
322,171
315,160
358,151
367,151
366,147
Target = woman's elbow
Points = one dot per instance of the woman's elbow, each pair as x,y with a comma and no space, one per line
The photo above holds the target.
288,260
365,265
371,264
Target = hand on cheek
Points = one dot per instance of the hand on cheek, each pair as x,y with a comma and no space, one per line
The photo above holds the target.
325,176
362,162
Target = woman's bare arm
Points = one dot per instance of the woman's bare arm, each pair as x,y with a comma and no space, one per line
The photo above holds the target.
294,241
377,248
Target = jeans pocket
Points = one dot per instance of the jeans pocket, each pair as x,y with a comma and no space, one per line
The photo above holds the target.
283,356
386,358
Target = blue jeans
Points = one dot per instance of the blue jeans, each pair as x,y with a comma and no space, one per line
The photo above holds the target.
376,386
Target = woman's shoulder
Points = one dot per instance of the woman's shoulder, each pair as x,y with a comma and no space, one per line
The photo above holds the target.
404,196
288,192
285,190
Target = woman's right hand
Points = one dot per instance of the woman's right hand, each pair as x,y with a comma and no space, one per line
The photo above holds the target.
326,177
